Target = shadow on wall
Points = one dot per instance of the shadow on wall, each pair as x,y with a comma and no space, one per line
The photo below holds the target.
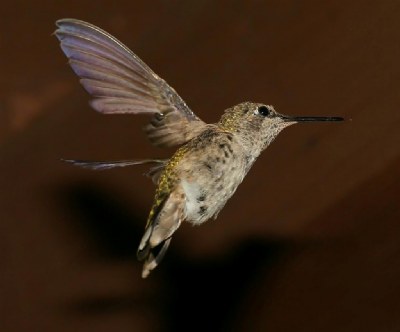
208,295
111,225
191,295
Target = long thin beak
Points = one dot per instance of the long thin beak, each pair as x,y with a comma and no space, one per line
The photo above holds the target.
311,118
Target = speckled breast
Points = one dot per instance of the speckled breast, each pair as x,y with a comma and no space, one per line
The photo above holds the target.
211,170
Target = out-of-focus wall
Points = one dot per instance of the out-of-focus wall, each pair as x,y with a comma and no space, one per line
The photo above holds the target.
310,241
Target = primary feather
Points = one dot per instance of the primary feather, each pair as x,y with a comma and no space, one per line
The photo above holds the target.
120,82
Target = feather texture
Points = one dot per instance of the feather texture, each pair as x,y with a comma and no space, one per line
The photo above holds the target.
102,165
154,172
167,217
120,82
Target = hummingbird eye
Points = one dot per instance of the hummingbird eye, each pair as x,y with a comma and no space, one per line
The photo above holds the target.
264,111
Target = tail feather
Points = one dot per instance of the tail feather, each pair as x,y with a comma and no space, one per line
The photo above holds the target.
152,259
168,216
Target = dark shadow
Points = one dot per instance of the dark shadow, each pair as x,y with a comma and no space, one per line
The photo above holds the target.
205,295
201,295
98,306
113,227
195,295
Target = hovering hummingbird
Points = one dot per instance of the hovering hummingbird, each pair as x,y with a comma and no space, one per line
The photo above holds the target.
211,159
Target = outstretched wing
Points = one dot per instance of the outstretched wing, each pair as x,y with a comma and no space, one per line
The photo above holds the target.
153,173
102,165
120,82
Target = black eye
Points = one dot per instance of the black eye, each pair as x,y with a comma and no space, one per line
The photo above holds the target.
264,111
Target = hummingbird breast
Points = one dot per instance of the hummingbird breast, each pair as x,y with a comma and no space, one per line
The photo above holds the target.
212,168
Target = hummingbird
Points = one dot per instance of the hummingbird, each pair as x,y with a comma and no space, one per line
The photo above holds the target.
211,160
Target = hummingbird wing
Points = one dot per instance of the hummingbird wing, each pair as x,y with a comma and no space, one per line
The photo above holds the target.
153,173
120,82
102,165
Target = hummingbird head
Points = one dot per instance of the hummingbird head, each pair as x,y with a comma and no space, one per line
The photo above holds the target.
258,124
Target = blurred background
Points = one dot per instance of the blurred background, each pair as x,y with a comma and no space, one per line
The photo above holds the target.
309,242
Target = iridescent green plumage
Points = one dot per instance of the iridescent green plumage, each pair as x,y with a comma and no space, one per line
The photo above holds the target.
168,178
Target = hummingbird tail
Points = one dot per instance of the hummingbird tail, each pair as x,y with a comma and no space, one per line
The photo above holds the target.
153,257
166,217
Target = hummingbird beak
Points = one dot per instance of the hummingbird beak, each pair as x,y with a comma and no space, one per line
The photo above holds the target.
311,118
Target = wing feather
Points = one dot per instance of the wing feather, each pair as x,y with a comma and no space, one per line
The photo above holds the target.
102,165
120,82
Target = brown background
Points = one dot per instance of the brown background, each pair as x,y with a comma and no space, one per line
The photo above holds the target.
310,241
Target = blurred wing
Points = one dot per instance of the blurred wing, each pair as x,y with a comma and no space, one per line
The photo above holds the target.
102,165
120,82
154,172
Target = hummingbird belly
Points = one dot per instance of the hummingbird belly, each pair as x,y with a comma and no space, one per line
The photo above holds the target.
210,175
